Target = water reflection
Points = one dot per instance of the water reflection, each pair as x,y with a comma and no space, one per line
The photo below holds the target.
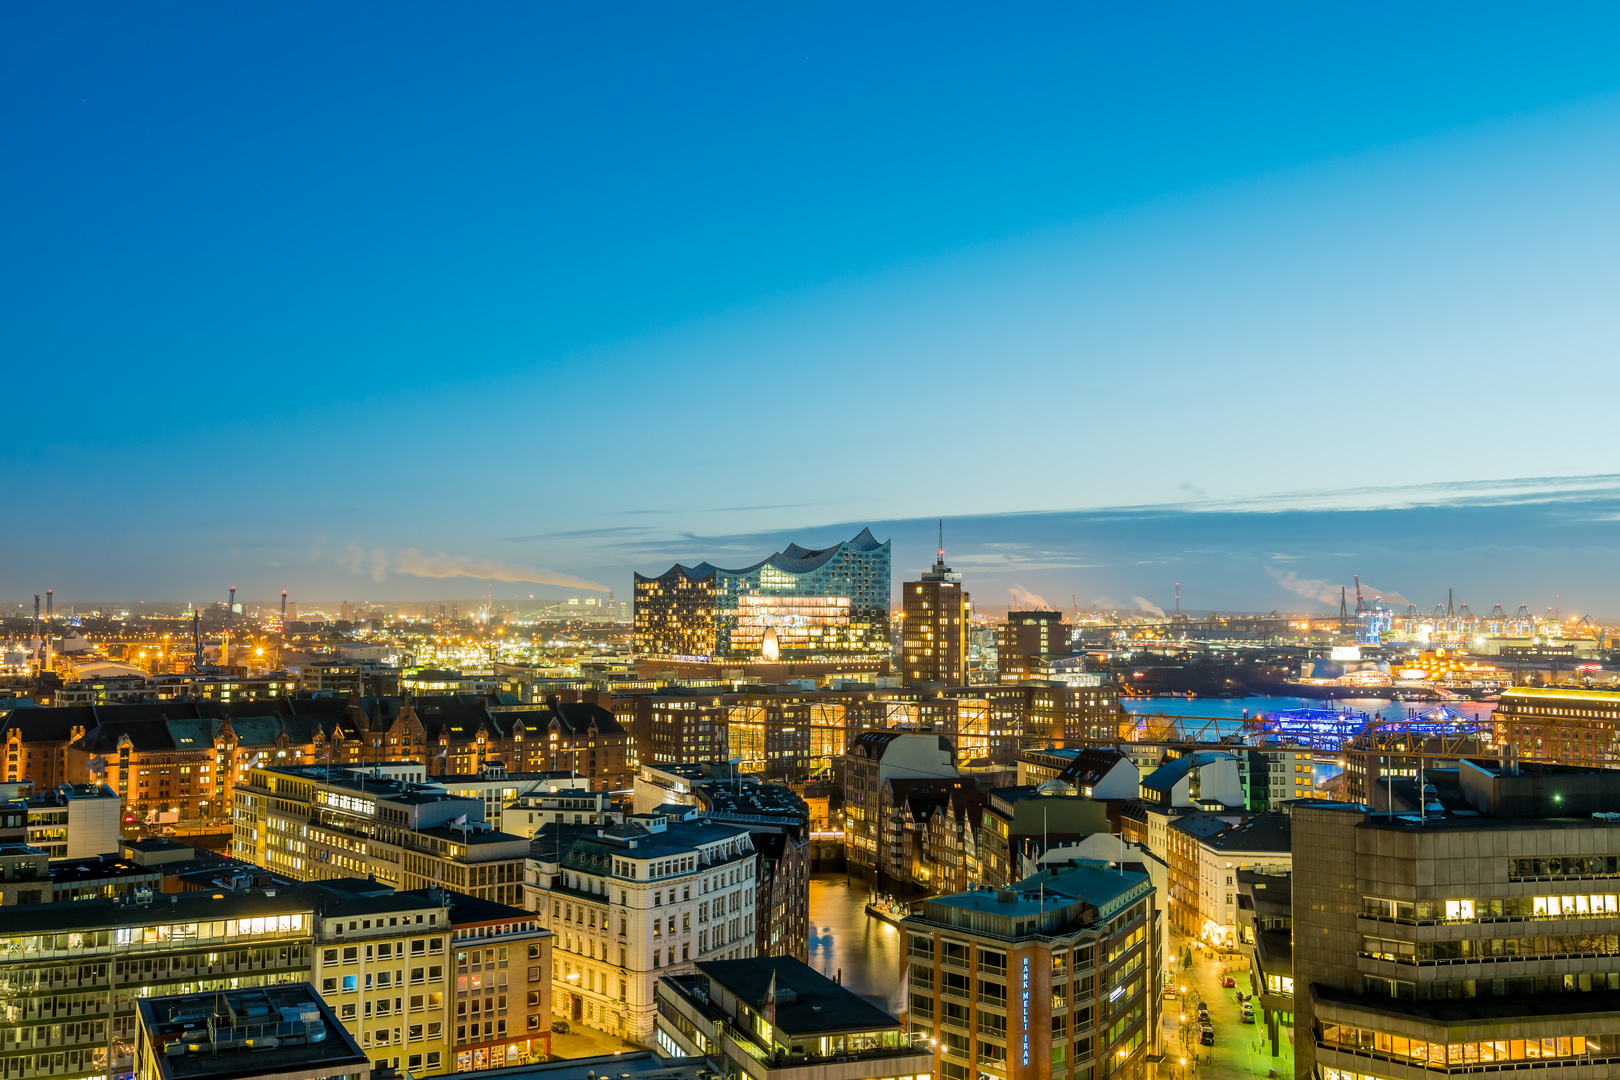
842,936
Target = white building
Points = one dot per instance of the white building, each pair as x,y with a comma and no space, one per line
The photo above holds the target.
72,821
1205,779
533,799
630,903
1261,843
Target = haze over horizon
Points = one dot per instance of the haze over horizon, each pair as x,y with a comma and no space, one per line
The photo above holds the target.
380,300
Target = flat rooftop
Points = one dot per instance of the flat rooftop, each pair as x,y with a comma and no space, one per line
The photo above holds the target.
821,1005
225,1035
644,1065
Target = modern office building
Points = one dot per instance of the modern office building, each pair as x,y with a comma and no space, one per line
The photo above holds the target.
934,630
314,822
1026,635
774,1018
1460,940
630,903
61,966
1056,977
283,1032
798,610
1266,937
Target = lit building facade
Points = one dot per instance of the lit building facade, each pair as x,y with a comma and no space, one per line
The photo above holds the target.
1451,943
934,633
1057,977
829,605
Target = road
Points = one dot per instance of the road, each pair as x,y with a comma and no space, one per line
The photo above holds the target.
1241,1051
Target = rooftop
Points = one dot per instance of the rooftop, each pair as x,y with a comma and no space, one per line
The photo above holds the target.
284,1030
644,1065
819,1005
164,909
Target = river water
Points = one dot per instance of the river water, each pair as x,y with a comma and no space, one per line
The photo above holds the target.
843,938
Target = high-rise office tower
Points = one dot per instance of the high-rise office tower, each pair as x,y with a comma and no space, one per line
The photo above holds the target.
934,643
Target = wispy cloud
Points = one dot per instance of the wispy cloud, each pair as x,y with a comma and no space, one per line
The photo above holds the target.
413,562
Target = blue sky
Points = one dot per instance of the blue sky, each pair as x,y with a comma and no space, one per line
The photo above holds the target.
396,300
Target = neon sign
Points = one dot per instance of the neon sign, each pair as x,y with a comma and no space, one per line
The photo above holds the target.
1026,1010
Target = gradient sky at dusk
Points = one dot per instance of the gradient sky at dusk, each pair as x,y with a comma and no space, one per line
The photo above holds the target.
391,301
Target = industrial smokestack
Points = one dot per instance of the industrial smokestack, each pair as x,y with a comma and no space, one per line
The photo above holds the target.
230,608
283,611
50,607
196,639
36,625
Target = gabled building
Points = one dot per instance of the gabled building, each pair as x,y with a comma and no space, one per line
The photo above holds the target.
1205,779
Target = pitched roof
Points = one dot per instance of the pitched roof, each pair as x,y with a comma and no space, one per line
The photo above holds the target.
1166,776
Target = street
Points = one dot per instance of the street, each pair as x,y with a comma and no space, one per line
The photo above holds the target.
1241,1051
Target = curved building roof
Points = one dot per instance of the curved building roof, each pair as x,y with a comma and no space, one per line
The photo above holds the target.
792,560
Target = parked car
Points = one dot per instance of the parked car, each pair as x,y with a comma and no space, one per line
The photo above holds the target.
1206,1036
1228,981
1248,1013
560,1027
1203,1009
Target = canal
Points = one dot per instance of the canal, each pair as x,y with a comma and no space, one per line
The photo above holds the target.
843,938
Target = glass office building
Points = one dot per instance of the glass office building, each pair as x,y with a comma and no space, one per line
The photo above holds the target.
798,604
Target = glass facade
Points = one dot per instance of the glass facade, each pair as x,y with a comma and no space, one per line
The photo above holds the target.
825,604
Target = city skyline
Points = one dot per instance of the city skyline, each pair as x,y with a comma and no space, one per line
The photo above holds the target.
1542,543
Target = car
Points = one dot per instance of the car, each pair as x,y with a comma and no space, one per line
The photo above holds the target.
560,1027
1206,1037
1248,1013
1228,981
1203,1008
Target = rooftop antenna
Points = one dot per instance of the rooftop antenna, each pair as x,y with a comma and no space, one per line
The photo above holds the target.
941,539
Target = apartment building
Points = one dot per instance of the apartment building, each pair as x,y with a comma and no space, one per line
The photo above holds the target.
1260,843
630,903
1055,977
314,822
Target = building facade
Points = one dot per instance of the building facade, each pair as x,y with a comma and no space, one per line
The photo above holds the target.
631,903
316,823
75,967
827,607
934,631
1056,977
1456,942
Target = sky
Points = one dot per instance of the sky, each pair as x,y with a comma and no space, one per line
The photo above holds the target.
391,301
